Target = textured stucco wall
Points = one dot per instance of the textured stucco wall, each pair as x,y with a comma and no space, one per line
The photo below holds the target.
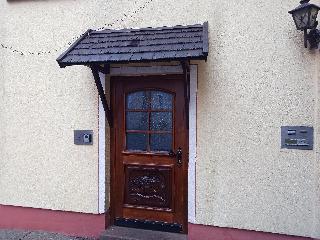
258,77
42,104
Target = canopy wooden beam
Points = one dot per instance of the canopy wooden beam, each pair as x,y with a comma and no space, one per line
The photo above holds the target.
105,69
95,71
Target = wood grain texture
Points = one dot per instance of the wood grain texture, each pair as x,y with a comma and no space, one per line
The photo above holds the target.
149,185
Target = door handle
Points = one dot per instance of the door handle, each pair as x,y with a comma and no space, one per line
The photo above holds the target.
177,155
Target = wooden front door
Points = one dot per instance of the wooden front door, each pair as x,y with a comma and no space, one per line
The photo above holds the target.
150,159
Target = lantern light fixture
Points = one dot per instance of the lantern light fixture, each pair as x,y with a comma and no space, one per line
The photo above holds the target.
305,18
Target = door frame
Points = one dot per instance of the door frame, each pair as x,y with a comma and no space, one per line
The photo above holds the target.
105,171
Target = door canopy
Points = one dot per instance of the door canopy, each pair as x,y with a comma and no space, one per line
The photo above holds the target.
137,45
99,49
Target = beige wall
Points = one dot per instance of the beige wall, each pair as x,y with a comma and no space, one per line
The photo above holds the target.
258,77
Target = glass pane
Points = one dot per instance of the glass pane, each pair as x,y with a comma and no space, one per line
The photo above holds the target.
137,100
161,100
160,142
301,19
137,141
313,16
137,121
161,121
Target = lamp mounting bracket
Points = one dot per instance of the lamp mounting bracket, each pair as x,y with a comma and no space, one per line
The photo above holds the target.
313,38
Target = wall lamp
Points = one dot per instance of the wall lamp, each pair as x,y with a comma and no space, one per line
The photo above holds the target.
305,17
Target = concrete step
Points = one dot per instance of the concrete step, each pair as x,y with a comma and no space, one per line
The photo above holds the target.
123,233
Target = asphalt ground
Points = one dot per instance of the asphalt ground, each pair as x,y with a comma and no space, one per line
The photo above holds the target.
35,235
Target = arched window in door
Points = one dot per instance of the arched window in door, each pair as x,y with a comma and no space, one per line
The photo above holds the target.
149,121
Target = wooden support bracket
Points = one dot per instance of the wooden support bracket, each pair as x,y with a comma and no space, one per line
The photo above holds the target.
105,69
95,72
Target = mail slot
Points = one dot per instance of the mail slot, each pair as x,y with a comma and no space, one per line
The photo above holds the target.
297,137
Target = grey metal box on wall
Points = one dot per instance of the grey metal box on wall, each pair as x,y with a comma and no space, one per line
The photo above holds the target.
297,137
83,137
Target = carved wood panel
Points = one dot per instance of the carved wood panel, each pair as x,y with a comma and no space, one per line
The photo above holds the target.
148,186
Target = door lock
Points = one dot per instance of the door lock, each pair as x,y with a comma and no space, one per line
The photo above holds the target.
177,155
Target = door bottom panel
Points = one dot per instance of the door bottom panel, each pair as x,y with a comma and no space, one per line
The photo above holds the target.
149,225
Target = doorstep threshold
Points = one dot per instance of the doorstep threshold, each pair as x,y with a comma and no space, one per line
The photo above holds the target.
124,233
